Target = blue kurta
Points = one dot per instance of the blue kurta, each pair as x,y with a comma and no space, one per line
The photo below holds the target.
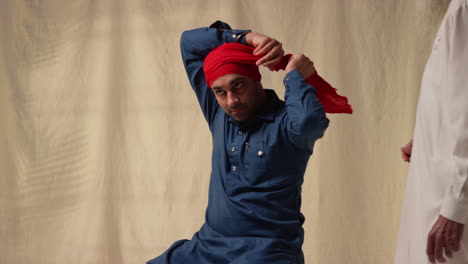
253,213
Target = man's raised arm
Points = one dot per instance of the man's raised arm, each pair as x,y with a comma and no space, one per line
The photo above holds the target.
195,45
306,120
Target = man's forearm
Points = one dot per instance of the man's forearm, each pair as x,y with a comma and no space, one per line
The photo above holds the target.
307,120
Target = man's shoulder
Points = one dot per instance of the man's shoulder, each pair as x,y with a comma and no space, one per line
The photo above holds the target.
458,7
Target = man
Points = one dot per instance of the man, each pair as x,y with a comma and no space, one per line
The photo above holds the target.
261,146
435,209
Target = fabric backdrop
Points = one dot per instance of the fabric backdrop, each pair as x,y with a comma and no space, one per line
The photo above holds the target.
105,156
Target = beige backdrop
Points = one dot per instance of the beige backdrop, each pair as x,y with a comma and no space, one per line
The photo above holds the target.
105,156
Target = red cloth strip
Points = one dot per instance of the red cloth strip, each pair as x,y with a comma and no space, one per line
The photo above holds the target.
327,94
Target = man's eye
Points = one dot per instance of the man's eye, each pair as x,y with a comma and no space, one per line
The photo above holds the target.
219,92
238,85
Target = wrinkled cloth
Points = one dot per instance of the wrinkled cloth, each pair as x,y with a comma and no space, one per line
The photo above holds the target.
231,58
438,173
254,201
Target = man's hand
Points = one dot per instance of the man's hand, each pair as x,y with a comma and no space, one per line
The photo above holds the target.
270,48
446,236
406,151
301,63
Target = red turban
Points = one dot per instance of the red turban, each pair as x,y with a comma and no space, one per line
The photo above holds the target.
231,58
237,58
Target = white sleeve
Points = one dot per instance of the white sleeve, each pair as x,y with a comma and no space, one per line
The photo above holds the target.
455,205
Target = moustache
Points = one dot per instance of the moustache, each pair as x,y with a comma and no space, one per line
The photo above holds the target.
236,107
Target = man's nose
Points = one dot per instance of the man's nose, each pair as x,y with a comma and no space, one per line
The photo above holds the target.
233,99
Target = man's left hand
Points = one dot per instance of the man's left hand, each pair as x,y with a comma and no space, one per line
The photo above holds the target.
446,236
270,48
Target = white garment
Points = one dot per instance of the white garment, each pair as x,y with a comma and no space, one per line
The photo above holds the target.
439,162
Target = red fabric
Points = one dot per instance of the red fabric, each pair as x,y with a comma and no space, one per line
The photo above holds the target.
239,59
228,59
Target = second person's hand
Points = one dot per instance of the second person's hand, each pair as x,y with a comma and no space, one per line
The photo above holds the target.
406,151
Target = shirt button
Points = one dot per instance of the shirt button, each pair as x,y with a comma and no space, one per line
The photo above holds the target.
260,153
240,132
234,35
233,149
234,168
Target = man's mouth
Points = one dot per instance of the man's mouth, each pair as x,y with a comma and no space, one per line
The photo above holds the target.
238,110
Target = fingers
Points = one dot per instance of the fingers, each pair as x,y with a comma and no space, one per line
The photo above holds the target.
265,45
449,240
301,63
444,237
404,157
458,236
406,151
435,240
405,154
272,50
431,247
454,235
439,247
438,251
274,56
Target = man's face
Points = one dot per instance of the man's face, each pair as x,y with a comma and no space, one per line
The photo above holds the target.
240,97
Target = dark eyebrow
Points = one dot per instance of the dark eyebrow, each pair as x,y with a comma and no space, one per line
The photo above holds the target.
236,80
230,83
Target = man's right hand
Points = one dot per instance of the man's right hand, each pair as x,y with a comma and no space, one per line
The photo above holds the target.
270,48
406,151
301,63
